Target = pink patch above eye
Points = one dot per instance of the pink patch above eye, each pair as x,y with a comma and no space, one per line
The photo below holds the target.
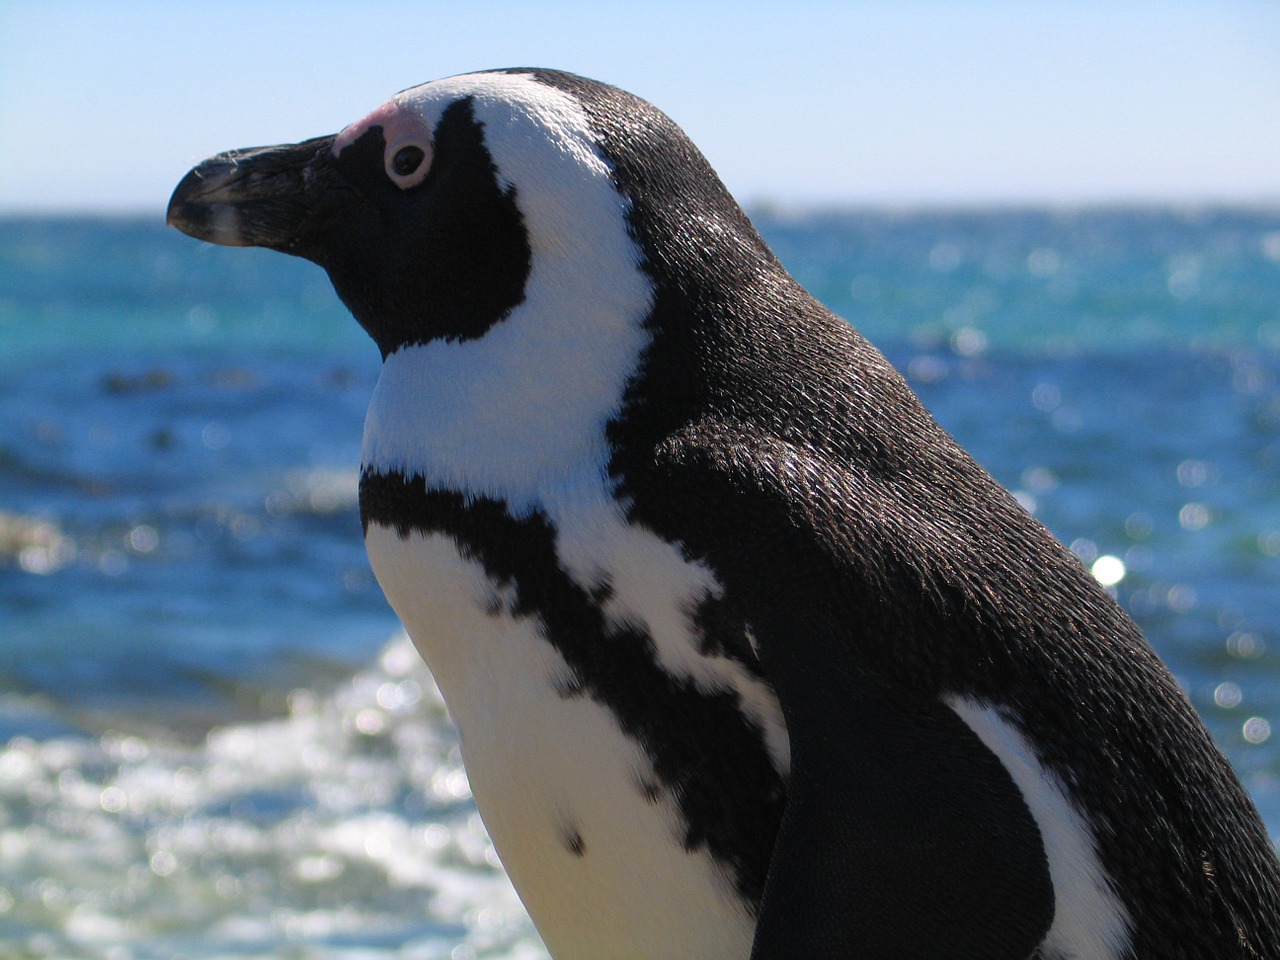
397,124
381,117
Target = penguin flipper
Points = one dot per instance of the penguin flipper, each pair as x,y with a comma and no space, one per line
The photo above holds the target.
904,836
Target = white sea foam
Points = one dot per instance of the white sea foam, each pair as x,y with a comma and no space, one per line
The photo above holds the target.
342,830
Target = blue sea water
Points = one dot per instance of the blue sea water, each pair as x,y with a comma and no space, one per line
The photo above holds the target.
213,741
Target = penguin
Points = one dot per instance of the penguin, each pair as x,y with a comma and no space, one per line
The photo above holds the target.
747,656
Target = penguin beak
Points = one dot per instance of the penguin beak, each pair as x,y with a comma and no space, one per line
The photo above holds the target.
277,197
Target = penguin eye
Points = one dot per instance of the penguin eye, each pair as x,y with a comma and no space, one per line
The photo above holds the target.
406,164
407,160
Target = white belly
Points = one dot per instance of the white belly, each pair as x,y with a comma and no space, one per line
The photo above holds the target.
599,865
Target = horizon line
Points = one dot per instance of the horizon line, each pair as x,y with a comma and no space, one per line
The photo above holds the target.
767,206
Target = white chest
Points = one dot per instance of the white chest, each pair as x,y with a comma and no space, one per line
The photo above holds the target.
598,860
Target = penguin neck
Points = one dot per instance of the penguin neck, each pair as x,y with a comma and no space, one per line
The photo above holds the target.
520,414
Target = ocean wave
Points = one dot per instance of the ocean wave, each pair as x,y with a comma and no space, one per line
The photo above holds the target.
348,821
315,491
36,545
41,544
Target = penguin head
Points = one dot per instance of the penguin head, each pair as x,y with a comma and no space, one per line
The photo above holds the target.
436,213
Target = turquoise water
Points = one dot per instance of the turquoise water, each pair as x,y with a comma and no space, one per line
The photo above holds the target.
212,740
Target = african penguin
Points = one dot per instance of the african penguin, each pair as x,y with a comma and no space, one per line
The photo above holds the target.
748,657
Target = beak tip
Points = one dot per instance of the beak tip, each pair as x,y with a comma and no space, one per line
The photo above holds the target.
172,215
257,196
184,211
218,223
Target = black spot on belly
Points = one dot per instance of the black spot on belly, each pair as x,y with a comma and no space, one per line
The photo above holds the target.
568,688
651,792
574,843
707,756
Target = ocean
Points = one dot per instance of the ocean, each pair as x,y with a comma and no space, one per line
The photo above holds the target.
214,741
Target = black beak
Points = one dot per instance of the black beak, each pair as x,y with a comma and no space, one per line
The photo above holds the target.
276,197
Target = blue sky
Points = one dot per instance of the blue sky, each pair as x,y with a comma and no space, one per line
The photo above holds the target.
103,106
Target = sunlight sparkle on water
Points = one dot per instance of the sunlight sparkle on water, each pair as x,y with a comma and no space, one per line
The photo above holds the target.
1257,730
1228,695
1108,570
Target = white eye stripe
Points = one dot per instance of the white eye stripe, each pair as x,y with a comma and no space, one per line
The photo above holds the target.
407,161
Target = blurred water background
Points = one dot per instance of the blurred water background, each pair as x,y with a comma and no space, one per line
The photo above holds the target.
213,742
